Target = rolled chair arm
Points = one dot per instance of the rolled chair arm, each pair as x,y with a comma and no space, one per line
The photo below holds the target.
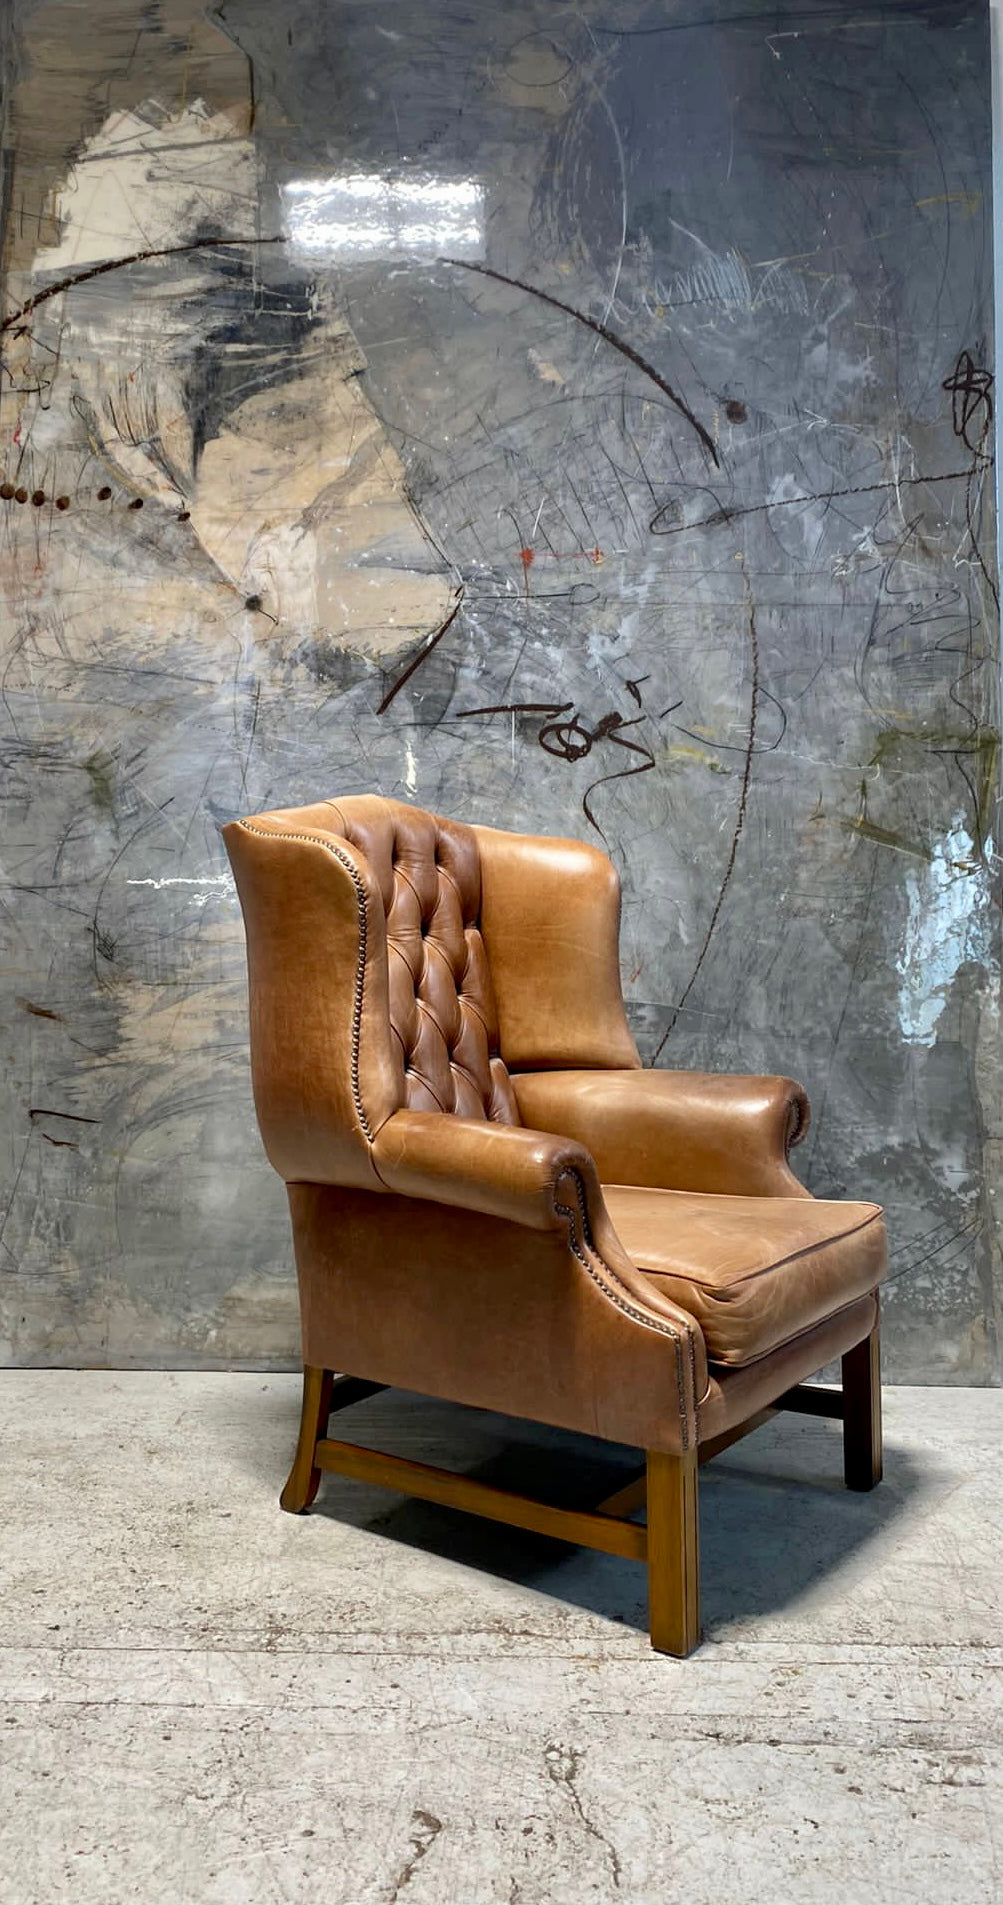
500,1170
540,1182
685,1131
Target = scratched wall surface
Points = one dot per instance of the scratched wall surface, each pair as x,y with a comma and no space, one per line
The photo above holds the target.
577,419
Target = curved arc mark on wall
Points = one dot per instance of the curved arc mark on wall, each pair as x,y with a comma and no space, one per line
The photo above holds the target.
743,802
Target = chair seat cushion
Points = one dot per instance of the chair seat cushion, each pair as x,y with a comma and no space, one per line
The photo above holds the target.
754,1271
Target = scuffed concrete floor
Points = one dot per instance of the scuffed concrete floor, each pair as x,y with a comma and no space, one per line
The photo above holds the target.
206,1700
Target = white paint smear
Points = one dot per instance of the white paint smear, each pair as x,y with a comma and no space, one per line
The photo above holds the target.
202,897
181,879
947,926
411,774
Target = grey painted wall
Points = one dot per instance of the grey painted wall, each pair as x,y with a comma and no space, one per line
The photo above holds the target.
700,458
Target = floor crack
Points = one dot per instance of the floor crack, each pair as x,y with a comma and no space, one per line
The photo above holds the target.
562,1763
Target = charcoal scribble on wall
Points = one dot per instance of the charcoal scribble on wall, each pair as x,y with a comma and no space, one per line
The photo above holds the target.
574,419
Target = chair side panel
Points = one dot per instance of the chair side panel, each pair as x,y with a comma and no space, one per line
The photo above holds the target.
477,1310
325,1072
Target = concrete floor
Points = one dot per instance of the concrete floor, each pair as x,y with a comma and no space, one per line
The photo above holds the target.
206,1700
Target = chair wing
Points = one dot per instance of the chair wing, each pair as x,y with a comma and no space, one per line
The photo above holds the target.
550,916
325,1071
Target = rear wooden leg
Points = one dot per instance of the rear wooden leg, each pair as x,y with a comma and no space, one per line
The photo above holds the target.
862,1414
673,1553
304,1476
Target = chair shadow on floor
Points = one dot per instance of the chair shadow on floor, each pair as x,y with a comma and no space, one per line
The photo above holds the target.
776,1520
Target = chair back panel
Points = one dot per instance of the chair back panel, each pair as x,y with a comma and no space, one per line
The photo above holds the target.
442,1007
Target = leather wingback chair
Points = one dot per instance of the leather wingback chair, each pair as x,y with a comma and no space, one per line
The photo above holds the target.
493,1203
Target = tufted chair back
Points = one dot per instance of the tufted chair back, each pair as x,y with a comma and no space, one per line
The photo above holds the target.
401,961
441,1001
370,988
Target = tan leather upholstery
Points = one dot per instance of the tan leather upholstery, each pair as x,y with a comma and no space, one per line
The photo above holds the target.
326,1068
552,1325
550,915
442,1007
754,1271
445,1077
735,1394
686,1131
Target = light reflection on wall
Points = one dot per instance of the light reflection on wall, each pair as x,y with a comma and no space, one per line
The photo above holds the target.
363,215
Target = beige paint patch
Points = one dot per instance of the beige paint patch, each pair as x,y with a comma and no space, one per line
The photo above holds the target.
300,500
536,71
82,67
148,175
547,372
119,1326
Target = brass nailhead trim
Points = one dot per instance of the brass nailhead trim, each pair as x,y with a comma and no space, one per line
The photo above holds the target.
629,1309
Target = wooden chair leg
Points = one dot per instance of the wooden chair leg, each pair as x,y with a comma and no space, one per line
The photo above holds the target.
862,1414
304,1476
673,1553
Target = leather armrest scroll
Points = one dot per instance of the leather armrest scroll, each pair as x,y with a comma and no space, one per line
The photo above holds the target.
544,1183
500,1170
687,1131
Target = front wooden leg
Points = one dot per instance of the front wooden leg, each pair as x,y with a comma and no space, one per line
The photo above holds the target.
862,1414
304,1476
673,1553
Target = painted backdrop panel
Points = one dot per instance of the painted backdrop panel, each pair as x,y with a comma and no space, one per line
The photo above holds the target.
573,419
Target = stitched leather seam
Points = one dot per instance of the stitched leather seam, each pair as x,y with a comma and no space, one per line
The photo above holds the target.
465,1072
726,1292
266,833
405,880
429,1013
422,1080
394,945
430,943
802,1115
422,1005
470,1005
400,1041
716,1367
446,876
612,1294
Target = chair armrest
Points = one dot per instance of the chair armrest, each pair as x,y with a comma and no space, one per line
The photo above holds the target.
685,1131
518,1232
540,1182
500,1170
